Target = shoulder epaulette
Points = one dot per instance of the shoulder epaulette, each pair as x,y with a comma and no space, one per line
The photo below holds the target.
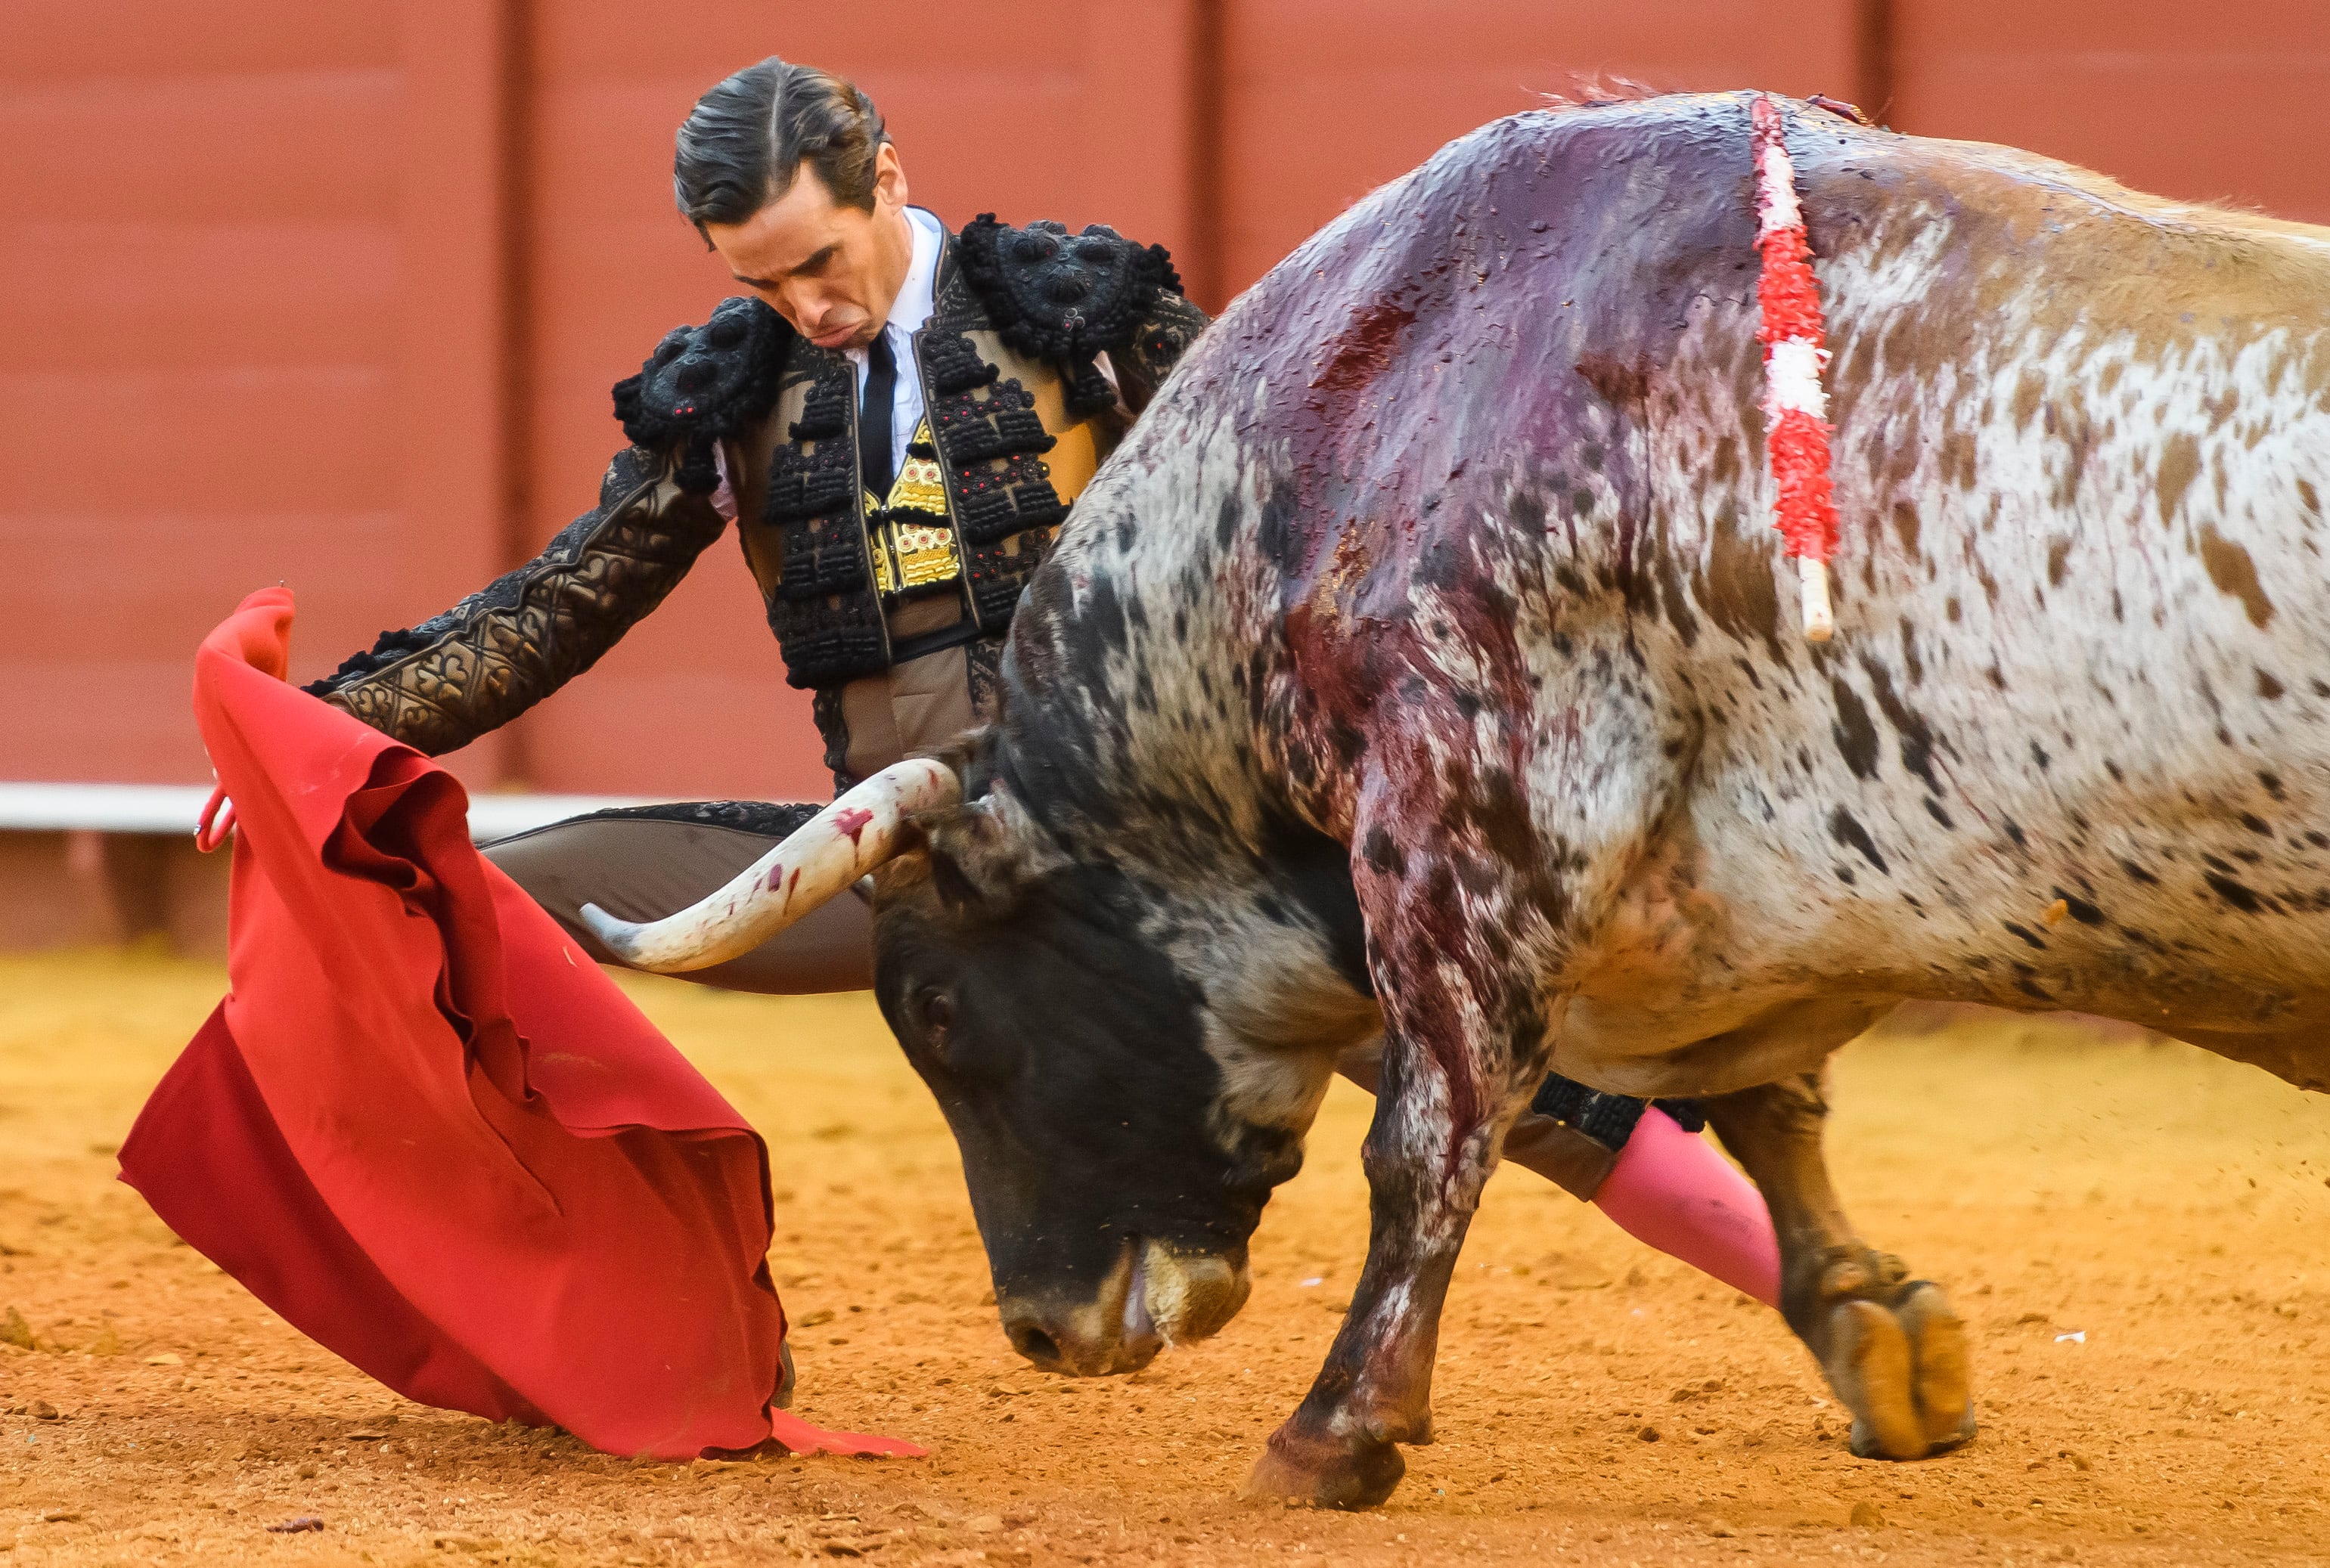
1054,295
706,382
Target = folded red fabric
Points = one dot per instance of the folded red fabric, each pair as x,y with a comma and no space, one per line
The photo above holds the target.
433,1136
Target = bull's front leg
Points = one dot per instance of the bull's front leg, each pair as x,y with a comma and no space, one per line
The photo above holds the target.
1891,1346
1465,1043
1425,1175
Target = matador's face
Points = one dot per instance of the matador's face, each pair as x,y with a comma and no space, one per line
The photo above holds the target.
831,270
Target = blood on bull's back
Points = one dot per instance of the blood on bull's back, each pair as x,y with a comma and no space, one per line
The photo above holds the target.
1490,449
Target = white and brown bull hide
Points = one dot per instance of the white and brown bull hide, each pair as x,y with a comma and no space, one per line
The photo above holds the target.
1448,546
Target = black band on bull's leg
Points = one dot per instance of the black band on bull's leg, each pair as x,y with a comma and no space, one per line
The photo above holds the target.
1890,1345
1571,1135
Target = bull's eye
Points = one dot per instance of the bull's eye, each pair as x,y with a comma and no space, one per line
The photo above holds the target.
937,1009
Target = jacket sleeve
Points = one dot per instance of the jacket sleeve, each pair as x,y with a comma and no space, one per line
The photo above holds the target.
441,684
1166,332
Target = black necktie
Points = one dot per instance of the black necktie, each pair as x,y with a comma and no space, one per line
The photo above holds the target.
874,417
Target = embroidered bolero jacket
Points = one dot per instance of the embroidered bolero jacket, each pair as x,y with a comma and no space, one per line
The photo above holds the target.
1018,414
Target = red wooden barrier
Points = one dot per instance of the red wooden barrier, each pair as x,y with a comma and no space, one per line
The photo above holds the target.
334,294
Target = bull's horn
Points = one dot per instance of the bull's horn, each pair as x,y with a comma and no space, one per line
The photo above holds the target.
824,855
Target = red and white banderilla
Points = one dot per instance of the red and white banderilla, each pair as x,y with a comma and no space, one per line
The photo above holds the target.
1796,409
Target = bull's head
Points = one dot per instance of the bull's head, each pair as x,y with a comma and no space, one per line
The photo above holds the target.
1114,1184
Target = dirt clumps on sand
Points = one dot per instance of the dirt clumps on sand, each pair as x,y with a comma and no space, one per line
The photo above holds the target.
2131,1229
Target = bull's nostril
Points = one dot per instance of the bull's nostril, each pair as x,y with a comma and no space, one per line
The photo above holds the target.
1034,1345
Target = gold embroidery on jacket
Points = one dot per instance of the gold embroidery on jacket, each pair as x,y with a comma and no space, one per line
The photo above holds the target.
914,543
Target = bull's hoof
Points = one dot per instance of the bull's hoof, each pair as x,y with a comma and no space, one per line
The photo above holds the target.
1896,1354
1323,1472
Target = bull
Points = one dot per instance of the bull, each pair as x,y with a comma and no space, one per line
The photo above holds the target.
1423,663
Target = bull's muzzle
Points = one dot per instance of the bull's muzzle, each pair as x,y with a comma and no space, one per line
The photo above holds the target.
833,849
1153,1297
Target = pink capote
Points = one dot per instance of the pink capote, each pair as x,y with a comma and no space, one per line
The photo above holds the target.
434,1137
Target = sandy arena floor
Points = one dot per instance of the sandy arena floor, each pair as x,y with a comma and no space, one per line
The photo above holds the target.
1599,1403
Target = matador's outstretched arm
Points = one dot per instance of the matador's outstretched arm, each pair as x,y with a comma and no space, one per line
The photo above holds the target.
441,683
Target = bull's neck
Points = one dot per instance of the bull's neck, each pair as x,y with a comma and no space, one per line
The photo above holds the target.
1127,727
1132,732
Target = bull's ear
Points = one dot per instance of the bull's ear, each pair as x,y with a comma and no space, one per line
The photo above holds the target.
984,853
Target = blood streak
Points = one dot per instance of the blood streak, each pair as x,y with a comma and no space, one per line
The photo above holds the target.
1363,350
852,821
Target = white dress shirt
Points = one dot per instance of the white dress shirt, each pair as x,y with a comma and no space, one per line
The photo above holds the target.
908,313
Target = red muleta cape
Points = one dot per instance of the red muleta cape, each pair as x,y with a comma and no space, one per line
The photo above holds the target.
431,1134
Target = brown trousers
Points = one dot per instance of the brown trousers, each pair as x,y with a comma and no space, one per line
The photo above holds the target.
641,868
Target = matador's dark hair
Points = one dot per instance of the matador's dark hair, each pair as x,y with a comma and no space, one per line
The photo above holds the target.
746,139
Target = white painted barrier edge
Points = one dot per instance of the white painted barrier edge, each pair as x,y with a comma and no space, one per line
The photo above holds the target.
41,808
